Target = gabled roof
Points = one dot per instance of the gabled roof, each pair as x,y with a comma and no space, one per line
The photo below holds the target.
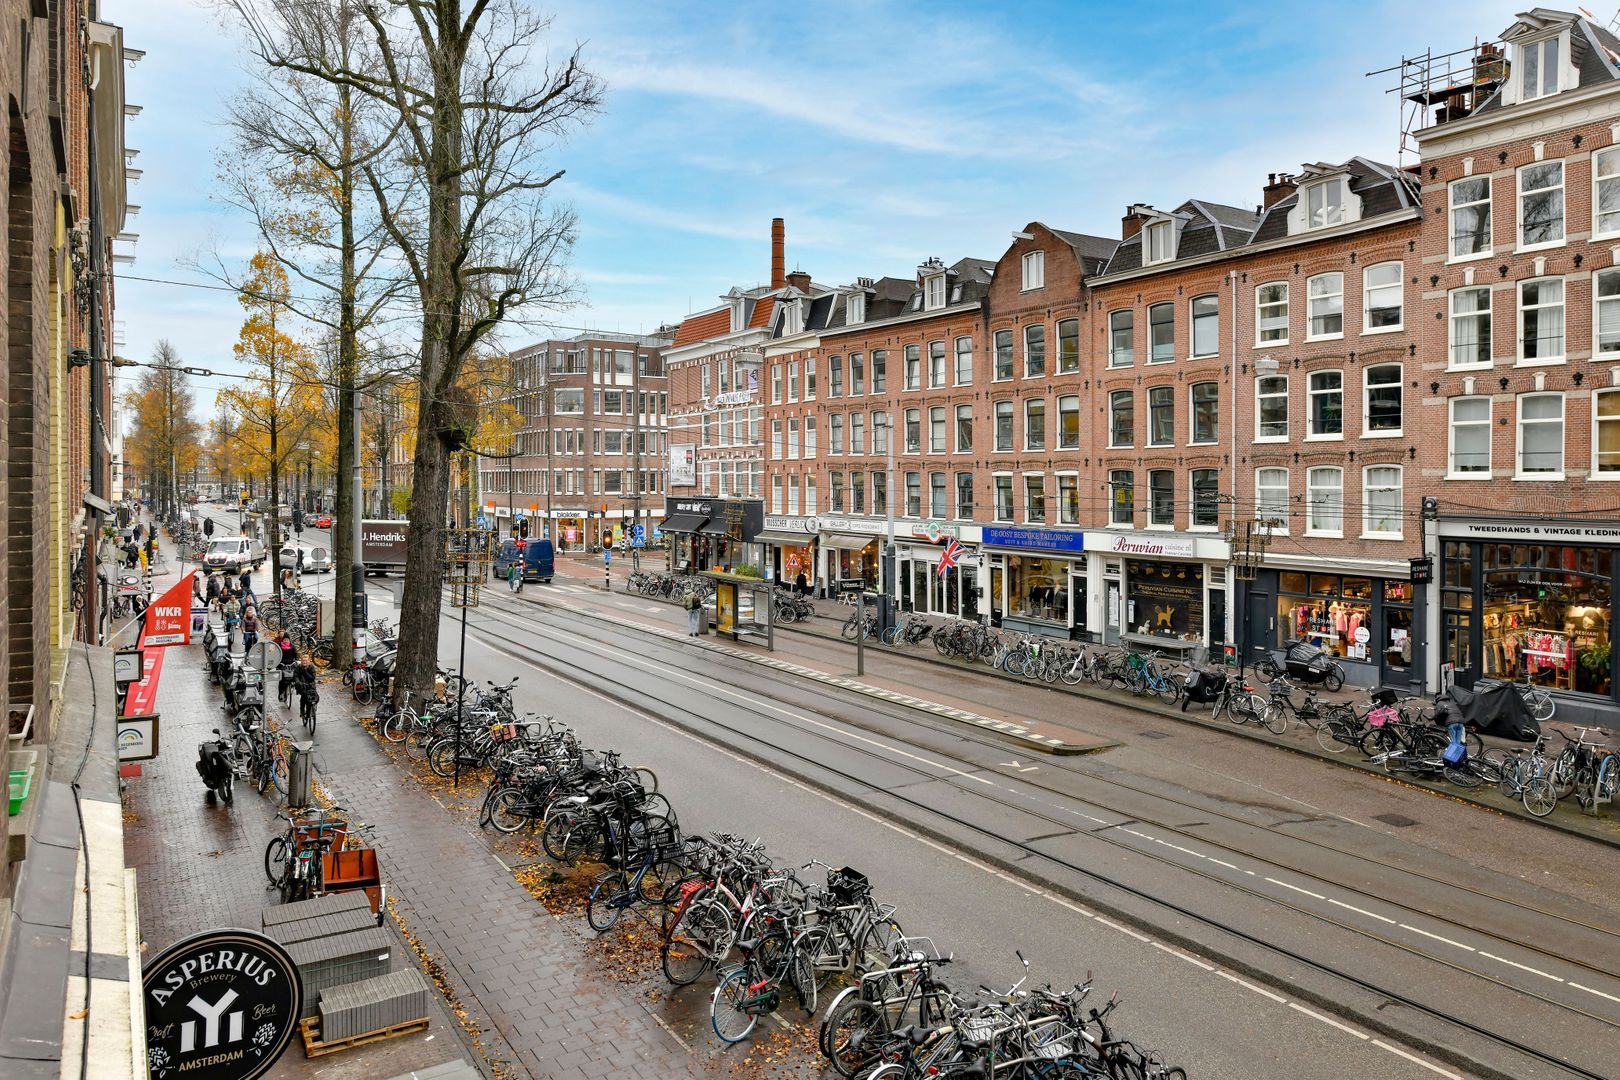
1092,251
1383,189
702,326
1203,227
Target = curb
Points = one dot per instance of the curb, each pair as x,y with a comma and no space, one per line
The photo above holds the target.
1015,733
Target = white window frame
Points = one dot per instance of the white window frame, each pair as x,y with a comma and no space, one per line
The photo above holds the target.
1158,242
1260,328
809,435
1608,155
1521,67
1519,472
1368,289
1600,303
1367,431
995,497
1034,270
1367,515
1030,403
963,373
1153,520
956,428
1311,394
1454,316
1311,500
1598,471
1192,501
1259,407
933,292
1453,206
1559,188
1152,439
1192,413
1192,325
1170,355
1310,191
1518,326
1114,353
1452,425
1131,396
938,425
855,309
1312,299
1074,400
1268,513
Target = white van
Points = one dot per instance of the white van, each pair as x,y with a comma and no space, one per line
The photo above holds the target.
234,553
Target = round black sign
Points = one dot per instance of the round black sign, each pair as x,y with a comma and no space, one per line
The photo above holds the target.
220,1006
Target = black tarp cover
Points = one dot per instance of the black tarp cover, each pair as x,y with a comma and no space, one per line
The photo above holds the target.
1494,708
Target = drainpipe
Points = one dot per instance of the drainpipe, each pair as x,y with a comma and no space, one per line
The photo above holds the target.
1237,588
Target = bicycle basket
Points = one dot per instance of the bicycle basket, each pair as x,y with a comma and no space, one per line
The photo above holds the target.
1054,1049
848,885
1384,698
1381,716
976,1031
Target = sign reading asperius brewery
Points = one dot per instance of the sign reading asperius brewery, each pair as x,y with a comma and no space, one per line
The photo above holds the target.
221,1005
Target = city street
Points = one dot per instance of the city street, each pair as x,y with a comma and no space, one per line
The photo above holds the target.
1259,889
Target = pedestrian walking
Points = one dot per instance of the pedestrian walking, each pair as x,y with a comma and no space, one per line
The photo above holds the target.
694,612
212,595
246,581
250,628
232,608
286,579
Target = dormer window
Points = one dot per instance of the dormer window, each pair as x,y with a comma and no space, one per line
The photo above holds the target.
933,292
1034,270
1324,204
1161,242
737,319
792,317
856,308
1539,65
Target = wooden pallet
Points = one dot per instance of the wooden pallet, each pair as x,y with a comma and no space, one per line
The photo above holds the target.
314,1047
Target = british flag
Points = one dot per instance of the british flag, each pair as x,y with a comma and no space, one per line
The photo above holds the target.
949,557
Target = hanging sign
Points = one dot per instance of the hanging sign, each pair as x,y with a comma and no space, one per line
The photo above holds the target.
220,1006
168,620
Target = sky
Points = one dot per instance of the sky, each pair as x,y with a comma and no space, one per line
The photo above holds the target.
883,132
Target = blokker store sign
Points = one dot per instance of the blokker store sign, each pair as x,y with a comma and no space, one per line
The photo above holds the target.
221,1005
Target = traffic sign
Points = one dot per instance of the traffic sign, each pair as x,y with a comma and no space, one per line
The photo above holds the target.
483,522
638,535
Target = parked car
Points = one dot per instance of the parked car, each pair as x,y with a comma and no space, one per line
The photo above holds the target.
317,560
322,521
234,553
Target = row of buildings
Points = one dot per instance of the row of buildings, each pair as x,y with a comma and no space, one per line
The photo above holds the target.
64,178
1377,410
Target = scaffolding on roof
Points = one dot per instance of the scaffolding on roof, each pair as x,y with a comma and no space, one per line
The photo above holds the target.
1451,84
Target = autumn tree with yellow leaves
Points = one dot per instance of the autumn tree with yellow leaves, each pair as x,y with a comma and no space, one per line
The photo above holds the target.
279,405
164,438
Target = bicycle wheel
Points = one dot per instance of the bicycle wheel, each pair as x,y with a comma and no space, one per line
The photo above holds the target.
606,902
1171,688
1465,774
275,861
727,1007
848,629
442,758
508,810
1509,785
1539,798
555,835
802,977
1335,737
1541,704
1272,719
853,1032
1335,679
646,778
363,692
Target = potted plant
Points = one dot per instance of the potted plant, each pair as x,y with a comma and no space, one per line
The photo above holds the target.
1596,659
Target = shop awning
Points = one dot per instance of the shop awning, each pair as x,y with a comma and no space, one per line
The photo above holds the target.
787,539
845,542
716,527
683,523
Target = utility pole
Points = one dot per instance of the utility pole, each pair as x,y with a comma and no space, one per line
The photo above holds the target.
635,455
551,473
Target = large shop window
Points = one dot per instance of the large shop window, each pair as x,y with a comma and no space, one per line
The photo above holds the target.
1166,599
1334,613
1038,588
1547,611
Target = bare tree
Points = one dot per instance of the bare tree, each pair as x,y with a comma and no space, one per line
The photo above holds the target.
478,105
294,165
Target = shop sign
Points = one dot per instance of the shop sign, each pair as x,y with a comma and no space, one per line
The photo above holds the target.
935,531
789,523
850,525
682,464
1132,544
221,1005
729,398
137,737
1035,539
1537,530
1422,570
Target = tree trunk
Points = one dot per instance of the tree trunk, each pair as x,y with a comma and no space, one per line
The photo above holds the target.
343,553
274,531
424,562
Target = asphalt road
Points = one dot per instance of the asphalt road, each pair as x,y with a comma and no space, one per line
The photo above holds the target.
1248,939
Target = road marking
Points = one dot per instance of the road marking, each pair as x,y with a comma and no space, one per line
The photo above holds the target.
1314,1015
1416,1060
1126,930
1437,937
1362,911
1521,967
1589,990
1179,955
1296,888
1262,991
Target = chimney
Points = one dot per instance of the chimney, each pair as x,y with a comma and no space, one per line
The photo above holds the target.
799,280
1131,223
1278,187
778,253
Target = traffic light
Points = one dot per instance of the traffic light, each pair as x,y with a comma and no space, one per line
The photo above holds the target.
208,526
523,528
298,519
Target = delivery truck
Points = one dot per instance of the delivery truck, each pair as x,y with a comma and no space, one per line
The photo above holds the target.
383,545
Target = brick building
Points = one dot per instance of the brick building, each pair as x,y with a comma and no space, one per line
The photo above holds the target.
1520,350
593,412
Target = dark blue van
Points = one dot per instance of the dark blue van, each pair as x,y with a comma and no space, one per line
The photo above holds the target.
538,557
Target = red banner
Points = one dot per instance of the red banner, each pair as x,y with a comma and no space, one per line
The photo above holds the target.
168,620
141,700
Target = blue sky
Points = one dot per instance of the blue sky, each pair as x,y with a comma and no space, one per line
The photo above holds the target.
884,133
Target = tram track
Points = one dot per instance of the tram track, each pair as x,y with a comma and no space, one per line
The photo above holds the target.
554,656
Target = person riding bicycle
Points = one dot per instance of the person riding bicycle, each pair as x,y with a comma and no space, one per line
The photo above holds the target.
304,683
289,658
232,609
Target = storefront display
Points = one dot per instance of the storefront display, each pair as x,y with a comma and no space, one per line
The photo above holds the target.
1038,588
714,534
858,567
1166,599
1331,612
